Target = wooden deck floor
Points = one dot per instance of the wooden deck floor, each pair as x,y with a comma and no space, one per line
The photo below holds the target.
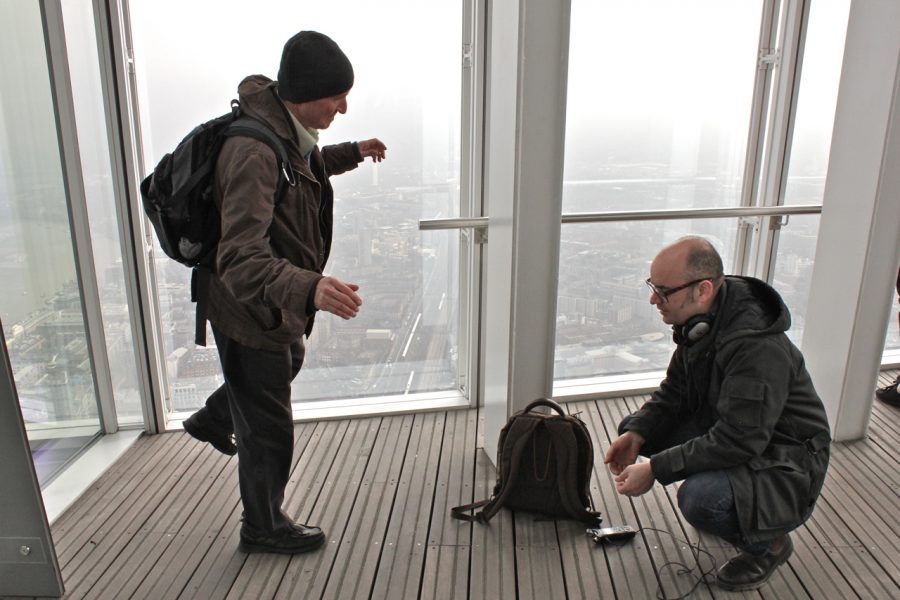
163,523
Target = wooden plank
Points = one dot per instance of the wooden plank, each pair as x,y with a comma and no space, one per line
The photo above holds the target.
223,563
882,469
261,574
130,514
493,566
662,530
150,541
586,564
874,531
446,570
538,564
361,547
171,574
843,549
307,574
399,572
92,509
632,572
164,522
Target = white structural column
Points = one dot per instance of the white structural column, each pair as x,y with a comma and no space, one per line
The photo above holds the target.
859,245
525,122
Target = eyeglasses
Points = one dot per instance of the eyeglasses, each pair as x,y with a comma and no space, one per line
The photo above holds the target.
664,292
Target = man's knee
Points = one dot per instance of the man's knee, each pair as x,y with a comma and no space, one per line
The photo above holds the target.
705,497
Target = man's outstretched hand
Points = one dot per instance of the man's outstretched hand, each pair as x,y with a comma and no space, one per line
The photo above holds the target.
374,148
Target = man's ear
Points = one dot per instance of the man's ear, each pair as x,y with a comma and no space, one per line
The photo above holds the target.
707,290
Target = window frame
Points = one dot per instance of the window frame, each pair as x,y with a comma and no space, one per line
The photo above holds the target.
470,251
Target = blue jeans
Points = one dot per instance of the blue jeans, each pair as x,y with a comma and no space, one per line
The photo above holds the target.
707,503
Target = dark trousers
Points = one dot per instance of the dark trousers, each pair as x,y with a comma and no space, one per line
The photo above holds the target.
255,404
705,499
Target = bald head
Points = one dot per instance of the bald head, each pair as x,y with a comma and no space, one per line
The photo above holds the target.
695,256
685,277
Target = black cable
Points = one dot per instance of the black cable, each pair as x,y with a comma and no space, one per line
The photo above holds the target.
696,551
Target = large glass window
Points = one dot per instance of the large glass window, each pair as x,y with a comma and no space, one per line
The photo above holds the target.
40,300
814,120
659,105
407,93
84,70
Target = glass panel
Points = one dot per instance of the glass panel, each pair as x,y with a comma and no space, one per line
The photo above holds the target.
40,302
655,120
659,103
605,323
407,93
817,97
84,70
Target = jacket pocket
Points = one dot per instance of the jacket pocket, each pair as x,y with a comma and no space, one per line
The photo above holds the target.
743,401
782,490
266,319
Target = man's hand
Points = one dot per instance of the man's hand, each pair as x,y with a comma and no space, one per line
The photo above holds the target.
337,297
623,451
374,148
635,480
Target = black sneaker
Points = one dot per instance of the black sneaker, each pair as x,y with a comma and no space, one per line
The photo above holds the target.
220,440
748,572
294,540
889,394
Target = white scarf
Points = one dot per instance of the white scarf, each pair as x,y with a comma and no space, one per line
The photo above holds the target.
307,137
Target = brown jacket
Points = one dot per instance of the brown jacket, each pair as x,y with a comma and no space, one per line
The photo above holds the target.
270,257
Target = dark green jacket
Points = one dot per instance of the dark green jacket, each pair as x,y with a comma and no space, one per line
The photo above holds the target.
270,257
745,387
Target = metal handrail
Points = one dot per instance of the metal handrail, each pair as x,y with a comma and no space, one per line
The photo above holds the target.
639,215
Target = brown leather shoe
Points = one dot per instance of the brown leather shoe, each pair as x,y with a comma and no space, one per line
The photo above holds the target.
748,572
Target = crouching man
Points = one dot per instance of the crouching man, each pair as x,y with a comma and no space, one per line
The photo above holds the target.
736,418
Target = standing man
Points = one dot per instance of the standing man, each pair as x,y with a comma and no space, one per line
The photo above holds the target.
736,418
268,283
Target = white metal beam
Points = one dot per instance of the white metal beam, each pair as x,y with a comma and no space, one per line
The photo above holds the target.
528,70
859,243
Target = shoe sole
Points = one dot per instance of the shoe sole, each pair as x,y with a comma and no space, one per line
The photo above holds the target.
745,587
249,548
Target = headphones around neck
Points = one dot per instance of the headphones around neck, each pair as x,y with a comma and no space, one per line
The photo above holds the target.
692,330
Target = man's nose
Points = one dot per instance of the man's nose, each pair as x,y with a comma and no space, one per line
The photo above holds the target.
342,107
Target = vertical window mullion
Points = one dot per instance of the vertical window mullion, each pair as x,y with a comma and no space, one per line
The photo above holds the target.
786,79
748,231
75,195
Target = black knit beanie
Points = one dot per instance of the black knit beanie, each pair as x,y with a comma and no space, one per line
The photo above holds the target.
313,67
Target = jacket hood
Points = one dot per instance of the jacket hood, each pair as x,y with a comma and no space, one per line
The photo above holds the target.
748,306
259,98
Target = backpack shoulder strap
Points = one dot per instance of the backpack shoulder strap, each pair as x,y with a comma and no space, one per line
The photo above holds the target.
245,126
199,294
253,128
520,432
566,443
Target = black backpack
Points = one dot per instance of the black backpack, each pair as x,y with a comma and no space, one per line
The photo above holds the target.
544,464
178,199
